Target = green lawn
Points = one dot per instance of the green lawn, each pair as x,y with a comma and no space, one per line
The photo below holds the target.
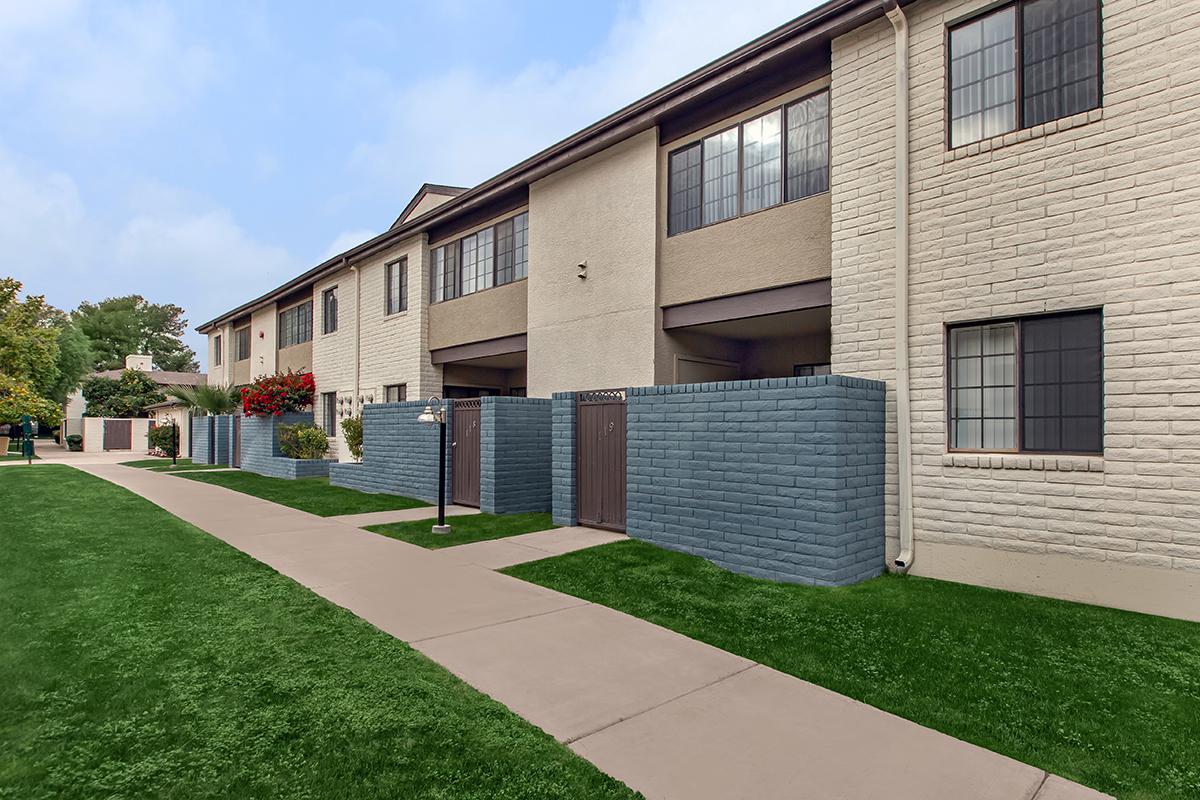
11,456
313,495
151,463
465,529
143,658
1107,698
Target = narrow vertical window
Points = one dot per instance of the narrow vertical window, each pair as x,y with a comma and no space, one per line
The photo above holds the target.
505,252
521,235
808,146
683,196
329,413
720,188
983,387
396,286
443,272
1060,58
242,344
217,351
1061,378
762,168
983,77
329,310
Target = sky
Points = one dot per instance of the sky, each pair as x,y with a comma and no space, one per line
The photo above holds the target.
203,153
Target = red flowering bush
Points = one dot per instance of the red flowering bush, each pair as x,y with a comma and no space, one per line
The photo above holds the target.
273,395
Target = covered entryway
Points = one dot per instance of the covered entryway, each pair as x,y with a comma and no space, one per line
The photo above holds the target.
465,459
118,434
600,459
235,458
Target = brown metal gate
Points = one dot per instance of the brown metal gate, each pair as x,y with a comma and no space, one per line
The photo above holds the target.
465,457
118,434
600,459
235,458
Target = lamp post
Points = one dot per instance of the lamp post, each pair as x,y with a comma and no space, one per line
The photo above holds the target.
429,416
174,442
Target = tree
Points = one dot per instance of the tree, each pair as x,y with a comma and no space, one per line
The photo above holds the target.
120,326
28,343
127,396
18,398
74,356
206,399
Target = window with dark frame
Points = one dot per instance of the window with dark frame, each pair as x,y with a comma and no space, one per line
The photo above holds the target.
329,413
809,370
489,257
242,344
1033,384
396,286
1026,63
217,351
395,393
329,310
776,157
295,325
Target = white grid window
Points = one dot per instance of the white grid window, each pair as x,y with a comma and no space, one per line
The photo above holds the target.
762,167
983,77
983,413
720,176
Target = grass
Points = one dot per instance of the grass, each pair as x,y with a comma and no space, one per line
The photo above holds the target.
1108,698
313,495
151,463
465,529
143,658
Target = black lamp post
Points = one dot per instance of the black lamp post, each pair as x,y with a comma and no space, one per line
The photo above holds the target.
174,442
431,415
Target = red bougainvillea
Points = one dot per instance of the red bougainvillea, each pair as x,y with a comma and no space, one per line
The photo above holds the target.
273,395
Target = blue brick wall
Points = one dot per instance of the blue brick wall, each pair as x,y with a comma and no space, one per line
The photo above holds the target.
400,455
780,478
261,453
562,458
222,428
515,459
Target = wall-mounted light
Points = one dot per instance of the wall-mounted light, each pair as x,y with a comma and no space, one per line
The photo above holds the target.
582,273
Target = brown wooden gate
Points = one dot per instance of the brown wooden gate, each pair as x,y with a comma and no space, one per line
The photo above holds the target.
118,434
235,458
600,459
465,457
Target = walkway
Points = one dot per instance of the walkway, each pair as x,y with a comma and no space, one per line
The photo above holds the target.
669,716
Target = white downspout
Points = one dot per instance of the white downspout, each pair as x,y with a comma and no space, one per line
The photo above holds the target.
355,408
904,558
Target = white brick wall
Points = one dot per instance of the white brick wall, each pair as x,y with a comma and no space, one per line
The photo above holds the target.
1099,210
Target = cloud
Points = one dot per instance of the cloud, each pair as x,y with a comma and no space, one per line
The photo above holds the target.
651,44
86,66
346,240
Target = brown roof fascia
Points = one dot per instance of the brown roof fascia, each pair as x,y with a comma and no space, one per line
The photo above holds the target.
822,23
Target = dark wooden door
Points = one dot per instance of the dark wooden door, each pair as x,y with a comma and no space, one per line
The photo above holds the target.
600,459
235,459
464,488
118,434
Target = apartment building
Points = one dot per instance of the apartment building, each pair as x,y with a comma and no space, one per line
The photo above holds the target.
988,206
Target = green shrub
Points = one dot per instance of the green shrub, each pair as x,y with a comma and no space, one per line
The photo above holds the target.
352,428
74,442
302,440
162,438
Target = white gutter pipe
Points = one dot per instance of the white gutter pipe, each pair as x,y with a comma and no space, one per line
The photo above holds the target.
355,406
904,558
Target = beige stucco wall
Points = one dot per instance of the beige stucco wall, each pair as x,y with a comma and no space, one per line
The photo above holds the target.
240,373
777,246
222,374
599,331
1093,210
428,203
264,337
490,314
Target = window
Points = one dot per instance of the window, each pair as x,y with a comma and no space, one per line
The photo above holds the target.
329,413
491,257
808,370
1031,385
329,310
217,351
777,157
396,286
295,325
1054,61
242,344
396,393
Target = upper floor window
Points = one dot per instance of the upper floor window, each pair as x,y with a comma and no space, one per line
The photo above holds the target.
329,310
1028,385
1027,63
396,286
295,324
242,344
216,351
776,157
491,257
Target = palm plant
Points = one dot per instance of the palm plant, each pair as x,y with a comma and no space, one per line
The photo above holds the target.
207,399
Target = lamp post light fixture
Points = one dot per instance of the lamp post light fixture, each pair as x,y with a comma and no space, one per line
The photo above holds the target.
435,412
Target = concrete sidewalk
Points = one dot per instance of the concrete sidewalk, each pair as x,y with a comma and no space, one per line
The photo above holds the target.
669,716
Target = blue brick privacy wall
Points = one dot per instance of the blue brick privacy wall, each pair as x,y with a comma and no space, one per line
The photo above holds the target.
514,449
400,455
261,453
222,429
780,478
562,458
